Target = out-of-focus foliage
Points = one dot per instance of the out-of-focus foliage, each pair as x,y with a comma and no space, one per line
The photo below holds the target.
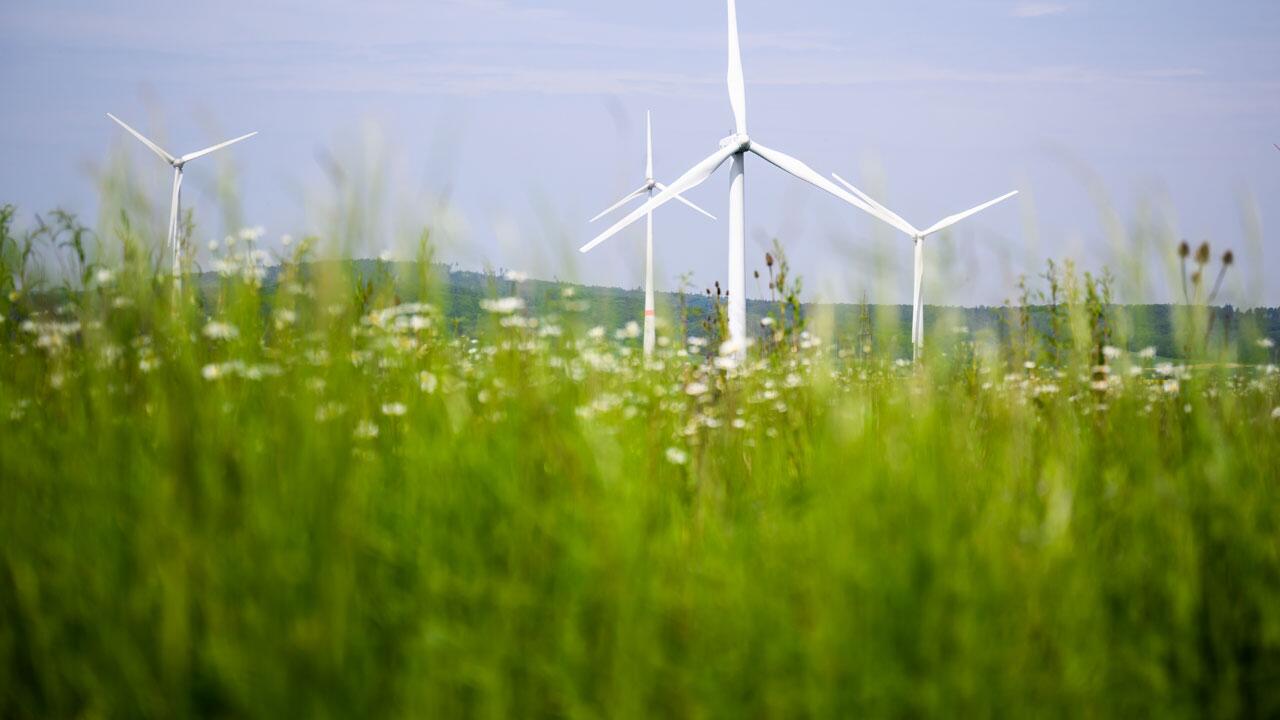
326,489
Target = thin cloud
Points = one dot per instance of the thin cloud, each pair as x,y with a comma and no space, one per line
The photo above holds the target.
1039,9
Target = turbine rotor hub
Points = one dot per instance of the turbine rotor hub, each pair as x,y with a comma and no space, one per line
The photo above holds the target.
740,141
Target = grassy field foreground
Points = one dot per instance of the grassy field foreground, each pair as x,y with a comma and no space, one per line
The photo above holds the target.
335,507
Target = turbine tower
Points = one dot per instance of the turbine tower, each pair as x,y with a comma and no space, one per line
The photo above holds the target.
649,187
918,236
734,147
177,163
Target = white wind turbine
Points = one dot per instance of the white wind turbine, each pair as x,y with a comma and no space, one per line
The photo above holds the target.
735,146
177,163
918,236
649,187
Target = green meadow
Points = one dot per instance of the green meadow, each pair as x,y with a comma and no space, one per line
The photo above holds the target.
307,491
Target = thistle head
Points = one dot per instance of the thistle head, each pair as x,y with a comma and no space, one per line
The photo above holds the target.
1184,250
1228,258
1203,254
768,259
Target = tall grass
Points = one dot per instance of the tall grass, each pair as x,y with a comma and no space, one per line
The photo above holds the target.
325,502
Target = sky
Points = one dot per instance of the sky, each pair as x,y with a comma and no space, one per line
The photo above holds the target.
505,125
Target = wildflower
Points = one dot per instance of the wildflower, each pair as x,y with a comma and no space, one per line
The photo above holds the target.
1266,343
211,372
766,321
366,430
567,293
252,233
676,456
630,331
596,333
1275,414
286,240
285,317
213,246
739,424
516,276
695,389
220,331
428,382
1147,353
1030,365
792,380
394,409
1111,353
503,306
1171,387
104,276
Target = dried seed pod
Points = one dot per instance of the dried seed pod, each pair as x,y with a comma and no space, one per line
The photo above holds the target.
1203,253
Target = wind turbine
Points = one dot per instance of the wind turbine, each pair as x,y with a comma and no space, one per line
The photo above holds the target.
918,236
177,163
734,147
647,189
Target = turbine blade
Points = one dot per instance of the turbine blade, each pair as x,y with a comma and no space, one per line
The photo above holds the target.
893,218
697,175
953,219
648,132
154,147
737,83
680,198
620,203
811,176
201,153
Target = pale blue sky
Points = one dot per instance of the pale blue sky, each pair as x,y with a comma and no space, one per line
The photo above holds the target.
529,118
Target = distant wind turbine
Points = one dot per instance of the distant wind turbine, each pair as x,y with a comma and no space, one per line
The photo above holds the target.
647,189
177,163
918,236
736,146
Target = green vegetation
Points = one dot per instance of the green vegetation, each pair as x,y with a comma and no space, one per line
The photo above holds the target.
327,491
